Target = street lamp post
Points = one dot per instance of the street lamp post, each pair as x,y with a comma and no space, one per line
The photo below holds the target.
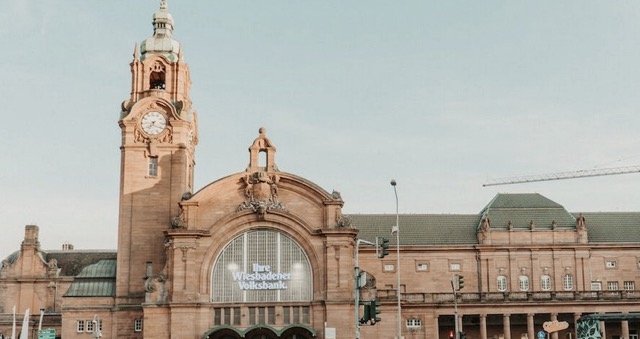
397,230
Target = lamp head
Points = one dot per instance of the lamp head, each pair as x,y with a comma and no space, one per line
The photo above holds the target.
393,182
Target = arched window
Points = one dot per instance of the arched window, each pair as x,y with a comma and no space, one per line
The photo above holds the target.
567,282
502,283
259,266
523,282
545,282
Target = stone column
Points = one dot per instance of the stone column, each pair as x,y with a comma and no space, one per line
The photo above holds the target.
436,327
506,326
530,326
483,326
625,329
554,317
576,316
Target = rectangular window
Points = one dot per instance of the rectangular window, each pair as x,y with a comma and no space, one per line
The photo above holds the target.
610,264
216,317
422,266
296,314
629,285
455,266
389,267
80,326
306,319
261,319
612,285
236,315
137,325
414,323
596,286
89,325
286,313
153,166
252,315
227,316
271,315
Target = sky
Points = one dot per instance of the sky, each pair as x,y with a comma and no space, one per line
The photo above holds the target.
441,96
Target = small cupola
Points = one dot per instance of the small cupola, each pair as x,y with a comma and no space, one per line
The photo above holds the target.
162,41
262,154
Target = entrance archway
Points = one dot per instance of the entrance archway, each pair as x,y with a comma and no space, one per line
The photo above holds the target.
260,332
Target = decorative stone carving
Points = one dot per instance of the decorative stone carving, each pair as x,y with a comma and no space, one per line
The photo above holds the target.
344,222
155,289
484,234
336,195
581,228
261,191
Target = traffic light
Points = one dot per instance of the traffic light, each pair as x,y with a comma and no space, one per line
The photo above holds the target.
459,282
383,247
461,335
365,315
373,312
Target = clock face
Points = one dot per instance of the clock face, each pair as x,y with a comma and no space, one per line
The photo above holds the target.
153,123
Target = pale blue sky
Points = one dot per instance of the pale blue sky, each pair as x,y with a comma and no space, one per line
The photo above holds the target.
440,95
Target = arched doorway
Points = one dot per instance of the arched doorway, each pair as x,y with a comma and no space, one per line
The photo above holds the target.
224,333
297,333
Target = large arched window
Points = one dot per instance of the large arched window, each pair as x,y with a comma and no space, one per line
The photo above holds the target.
523,282
261,265
567,282
545,282
502,283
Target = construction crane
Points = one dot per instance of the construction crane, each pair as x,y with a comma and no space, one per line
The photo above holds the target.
564,175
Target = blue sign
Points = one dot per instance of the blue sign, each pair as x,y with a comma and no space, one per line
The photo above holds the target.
541,335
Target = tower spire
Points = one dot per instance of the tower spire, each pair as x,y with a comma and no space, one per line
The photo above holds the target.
162,41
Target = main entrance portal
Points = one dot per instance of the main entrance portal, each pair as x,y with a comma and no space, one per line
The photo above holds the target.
260,332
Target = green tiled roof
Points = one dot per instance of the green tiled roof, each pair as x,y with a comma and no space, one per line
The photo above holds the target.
613,227
520,210
419,229
96,280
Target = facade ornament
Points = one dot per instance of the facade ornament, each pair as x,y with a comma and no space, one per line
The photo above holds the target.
510,225
155,289
344,222
581,228
336,195
261,192
554,225
484,236
180,221
532,225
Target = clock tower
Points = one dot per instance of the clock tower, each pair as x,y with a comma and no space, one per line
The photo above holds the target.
159,135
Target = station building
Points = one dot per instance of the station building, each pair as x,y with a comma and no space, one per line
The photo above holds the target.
263,253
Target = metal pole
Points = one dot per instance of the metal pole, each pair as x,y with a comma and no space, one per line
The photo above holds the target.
357,290
455,306
393,183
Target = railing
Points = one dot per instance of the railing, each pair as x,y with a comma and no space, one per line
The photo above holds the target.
537,296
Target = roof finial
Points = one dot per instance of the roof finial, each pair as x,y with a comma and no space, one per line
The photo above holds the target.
163,4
